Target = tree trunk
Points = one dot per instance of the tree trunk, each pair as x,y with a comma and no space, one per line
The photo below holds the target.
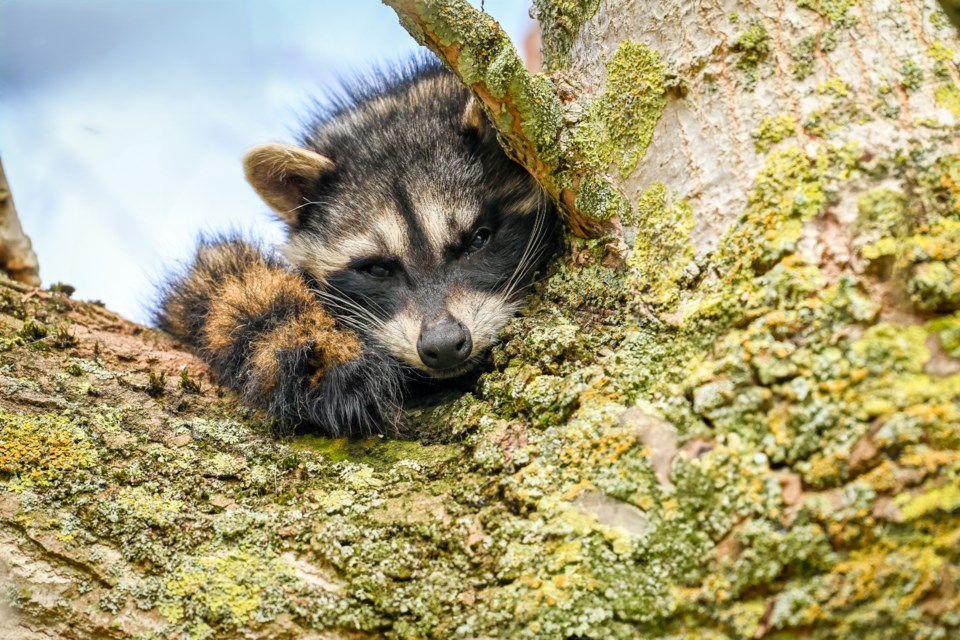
734,412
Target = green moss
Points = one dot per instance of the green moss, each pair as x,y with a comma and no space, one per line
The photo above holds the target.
752,49
32,332
44,449
560,22
772,131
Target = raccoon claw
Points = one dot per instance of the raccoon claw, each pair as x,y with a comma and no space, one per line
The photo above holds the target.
360,397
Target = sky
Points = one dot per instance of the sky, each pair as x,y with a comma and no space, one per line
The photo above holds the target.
123,122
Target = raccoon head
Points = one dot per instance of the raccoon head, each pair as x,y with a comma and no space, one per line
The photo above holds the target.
412,223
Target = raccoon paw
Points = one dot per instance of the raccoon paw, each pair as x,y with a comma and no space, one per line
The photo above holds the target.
360,397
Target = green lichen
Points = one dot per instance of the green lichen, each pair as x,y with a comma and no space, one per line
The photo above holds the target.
836,11
618,125
225,592
773,130
803,56
752,49
948,329
930,263
911,76
662,249
560,22
598,197
944,57
948,97
138,506
44,450
946,499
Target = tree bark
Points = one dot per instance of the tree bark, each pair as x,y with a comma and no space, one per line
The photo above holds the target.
732,413
17,258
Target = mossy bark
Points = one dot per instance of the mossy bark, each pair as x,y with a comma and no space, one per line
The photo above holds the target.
735,414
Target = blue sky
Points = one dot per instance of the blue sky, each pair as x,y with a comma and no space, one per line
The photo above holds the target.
122,122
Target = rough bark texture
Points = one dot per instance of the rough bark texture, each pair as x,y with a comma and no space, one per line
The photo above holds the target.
16,254
748,427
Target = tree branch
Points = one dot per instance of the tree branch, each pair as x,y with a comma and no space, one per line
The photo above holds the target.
16,254
524,108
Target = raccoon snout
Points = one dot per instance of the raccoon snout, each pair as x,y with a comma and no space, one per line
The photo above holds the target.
444,342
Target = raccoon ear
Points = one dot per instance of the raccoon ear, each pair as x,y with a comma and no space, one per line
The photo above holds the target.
473,117
280,172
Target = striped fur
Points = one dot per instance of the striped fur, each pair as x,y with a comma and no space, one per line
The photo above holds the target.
411,240
264,334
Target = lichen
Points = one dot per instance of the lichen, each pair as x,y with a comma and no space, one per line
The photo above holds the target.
836,11
43,449
803,56
618,125
662,249
752,49
225,592
773,130
560,22
948,97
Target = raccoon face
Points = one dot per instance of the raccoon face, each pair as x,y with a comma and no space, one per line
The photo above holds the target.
421,238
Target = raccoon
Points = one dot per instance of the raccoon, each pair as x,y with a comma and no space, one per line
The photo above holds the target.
411,240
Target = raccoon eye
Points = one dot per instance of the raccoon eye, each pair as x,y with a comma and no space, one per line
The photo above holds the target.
479,239
376,270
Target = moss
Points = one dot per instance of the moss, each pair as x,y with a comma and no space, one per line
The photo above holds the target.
156,383
752,49
772,131
32,332
188,384
560,22
44,449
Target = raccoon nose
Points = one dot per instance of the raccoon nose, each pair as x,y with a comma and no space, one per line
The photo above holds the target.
444,342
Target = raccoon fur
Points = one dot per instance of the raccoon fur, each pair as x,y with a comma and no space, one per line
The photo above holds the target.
411,240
